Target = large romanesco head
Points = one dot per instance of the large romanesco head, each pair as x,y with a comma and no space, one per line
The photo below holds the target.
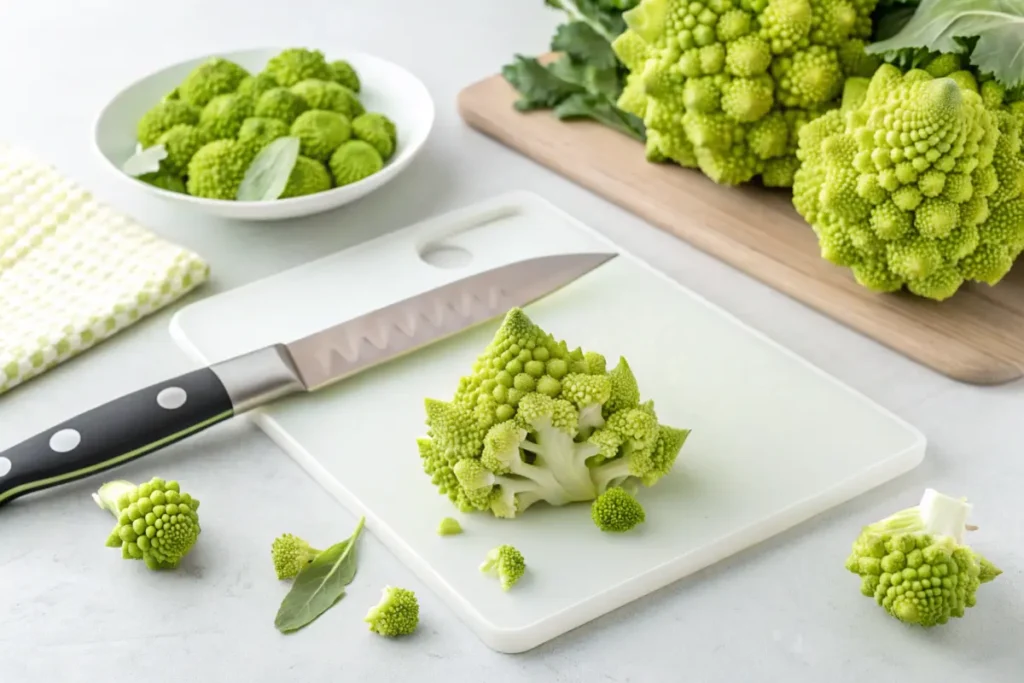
537,421
914,184
915,564
725,85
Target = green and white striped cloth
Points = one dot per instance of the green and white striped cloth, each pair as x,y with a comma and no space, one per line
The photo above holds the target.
73,271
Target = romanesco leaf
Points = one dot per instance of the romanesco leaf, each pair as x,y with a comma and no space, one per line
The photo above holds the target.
581,42
596,81
603,111
538,87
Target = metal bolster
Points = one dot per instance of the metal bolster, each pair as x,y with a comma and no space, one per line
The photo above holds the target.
258,377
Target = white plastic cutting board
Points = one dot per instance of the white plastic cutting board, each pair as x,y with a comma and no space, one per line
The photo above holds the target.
774,442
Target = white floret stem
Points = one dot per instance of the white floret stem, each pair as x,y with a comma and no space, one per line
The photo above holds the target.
108,494
558,455
944,515
538,480
589,420
605,474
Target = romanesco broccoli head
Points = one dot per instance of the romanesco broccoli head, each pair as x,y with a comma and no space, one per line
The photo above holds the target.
344,74
328,96
916,184
181,142
156,522
377,130
725,85
163,117
308,177
281,104
353,161
506,563
291,555
537,421
223,116
397,613
616,510
297,64
261,131
320,133
216,171
215,76
254,86
915,564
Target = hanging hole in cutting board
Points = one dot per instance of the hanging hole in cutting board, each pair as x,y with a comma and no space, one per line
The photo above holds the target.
446,256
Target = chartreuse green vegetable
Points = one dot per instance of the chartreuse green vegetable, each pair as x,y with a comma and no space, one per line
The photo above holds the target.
205,136
725,85
397,613
505,563
915,184
616,510
916,565
156,522
449,527
535,421
291,555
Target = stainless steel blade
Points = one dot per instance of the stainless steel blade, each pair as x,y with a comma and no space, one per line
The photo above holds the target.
355,345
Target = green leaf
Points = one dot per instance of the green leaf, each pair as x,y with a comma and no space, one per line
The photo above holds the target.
268,174
145,161
604,82
603,111
945,25
581,42
538,86
604,16
320,585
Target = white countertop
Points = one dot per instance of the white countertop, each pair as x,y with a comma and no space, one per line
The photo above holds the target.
70,610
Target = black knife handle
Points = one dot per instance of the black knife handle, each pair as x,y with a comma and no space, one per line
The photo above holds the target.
115,433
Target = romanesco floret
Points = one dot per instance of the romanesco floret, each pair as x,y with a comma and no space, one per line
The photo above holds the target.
535,421
377,130
223,116
725,85
291,555
616,510
320,133
449,526
163,117
260,131
353,161
215,76
328,96
308,177
281,104
506,563
156,522
292,65
254,86
216,171
914,184
181,142
345,74
397,613
915,564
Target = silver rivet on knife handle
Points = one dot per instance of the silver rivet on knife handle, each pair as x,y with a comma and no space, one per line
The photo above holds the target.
259,377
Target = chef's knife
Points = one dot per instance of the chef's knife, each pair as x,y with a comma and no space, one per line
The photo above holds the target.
148,419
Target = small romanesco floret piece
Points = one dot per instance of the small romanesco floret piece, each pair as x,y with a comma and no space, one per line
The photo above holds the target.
163,117
506,563
397,613
181,142
915,564
353,161
156,522
328,96
260,132
297,64
223,116
344,74
449,526
215,76
616,511
916,184
281,104
291,555
536,421
216,171
320,133
377,130
308,177
726,85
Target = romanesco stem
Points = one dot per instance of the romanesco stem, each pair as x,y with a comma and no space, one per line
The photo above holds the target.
110,492
944,515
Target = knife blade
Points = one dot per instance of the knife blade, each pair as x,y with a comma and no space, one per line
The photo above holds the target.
156,416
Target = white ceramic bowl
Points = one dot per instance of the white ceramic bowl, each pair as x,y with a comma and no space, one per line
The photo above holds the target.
385,87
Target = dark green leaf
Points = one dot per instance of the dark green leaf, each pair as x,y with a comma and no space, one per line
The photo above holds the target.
600,109
597,81
268,174
940,26
320,585
581,42
538,86
891,20
604,16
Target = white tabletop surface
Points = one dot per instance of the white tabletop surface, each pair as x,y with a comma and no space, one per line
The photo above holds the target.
71,610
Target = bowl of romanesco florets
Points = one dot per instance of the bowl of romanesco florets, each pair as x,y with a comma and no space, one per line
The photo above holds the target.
267,134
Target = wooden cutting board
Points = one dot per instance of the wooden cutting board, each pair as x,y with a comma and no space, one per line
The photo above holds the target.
977,336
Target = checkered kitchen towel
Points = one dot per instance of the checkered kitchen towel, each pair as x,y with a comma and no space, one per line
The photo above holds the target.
73,271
